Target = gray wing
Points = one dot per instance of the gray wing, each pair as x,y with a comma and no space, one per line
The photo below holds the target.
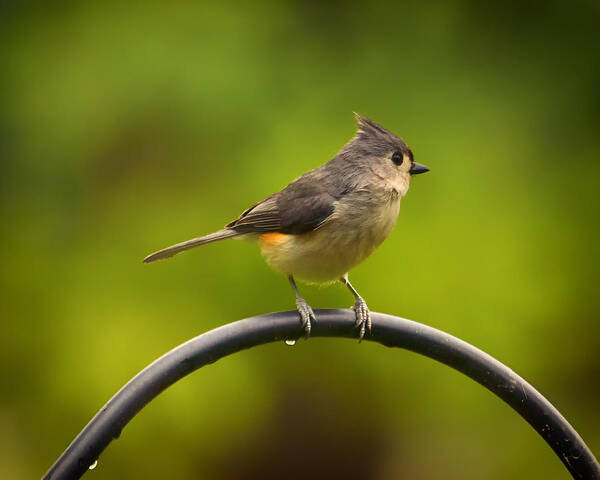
262,217
299,208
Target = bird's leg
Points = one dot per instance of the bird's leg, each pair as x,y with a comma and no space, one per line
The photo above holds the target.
306,313
363,316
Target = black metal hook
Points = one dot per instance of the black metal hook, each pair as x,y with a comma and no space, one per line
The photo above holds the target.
387,330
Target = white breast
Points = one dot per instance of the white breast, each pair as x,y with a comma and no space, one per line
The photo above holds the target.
360,222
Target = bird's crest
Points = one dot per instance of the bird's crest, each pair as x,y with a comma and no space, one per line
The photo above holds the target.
371,132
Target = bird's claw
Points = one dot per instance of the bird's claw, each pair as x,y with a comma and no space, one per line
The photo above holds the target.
307,316
363,318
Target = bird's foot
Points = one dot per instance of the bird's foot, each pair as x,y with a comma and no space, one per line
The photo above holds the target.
363,318
307,316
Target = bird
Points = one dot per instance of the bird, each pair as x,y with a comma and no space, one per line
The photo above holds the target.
329,219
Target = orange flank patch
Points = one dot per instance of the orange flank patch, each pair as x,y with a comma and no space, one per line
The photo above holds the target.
274,238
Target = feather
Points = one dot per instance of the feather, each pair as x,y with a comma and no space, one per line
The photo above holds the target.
194,242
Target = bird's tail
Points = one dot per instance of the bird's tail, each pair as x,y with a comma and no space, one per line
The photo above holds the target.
194,242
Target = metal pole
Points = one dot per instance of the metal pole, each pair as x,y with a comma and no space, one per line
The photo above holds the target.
387,330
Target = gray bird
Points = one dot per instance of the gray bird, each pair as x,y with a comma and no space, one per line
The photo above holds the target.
329,219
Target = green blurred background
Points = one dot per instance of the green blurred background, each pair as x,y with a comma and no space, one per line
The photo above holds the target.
126,127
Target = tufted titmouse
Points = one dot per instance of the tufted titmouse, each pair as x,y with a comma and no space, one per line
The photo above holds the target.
329,219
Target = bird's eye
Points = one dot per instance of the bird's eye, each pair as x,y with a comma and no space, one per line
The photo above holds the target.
397,158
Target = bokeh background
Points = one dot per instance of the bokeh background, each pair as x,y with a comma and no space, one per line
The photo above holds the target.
126,127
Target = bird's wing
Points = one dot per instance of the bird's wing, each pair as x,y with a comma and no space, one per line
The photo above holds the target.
262,217
293,210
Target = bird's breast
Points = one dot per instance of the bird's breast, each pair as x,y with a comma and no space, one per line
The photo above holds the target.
355,229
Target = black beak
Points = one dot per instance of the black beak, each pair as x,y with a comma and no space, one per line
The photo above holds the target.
417,168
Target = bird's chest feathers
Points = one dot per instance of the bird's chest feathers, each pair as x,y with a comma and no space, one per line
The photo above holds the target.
357,227
365,223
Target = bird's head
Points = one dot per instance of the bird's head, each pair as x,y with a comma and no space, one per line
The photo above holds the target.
383,154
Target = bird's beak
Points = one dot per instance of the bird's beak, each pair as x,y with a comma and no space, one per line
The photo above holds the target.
417,168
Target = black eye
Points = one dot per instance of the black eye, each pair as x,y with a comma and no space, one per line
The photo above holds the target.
397,158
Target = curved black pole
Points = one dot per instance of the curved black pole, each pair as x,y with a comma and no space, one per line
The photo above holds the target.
387,330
